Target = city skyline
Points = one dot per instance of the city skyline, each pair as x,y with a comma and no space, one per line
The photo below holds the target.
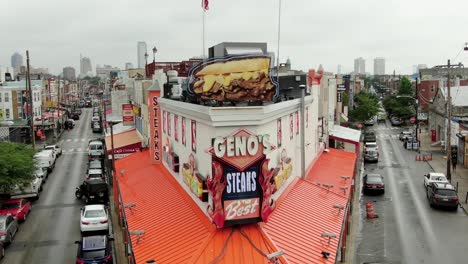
111,42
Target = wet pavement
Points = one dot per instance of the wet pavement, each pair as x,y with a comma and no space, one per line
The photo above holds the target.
407,229
49,233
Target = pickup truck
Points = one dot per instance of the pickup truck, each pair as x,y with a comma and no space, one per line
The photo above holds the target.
369,136
28,190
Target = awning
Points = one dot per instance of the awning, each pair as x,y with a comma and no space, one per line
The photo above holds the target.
125,143
345,134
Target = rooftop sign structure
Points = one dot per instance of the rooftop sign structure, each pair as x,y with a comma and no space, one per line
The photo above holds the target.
233,78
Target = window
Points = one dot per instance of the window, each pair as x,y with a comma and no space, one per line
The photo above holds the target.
7,113
7,99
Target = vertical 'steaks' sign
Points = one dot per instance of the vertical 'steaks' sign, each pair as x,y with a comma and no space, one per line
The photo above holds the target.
155,126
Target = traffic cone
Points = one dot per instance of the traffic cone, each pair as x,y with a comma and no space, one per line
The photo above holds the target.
370,211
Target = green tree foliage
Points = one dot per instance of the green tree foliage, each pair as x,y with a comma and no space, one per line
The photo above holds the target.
345,98
399,106
367,106
92,80
16,164
406,88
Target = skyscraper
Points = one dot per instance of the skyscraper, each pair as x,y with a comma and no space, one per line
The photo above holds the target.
69,74
379,66
339,69
85,66
16,61
141,50
359,66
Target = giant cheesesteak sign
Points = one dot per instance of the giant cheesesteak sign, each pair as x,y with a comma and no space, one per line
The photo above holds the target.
241,184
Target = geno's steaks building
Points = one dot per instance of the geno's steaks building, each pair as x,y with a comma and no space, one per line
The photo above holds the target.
223,184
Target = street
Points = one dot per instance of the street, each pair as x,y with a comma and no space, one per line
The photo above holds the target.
407,229
51,229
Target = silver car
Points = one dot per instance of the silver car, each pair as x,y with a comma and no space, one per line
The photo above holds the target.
8,228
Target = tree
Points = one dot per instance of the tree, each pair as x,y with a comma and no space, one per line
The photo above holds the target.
345,98
406,88
367,107
17,164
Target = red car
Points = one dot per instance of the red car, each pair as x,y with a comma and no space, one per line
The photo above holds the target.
18,208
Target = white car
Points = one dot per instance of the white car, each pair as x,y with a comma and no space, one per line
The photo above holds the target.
371,145
94,218
55,148
434,177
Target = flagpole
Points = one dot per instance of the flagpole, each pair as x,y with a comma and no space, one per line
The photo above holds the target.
278,51
204,11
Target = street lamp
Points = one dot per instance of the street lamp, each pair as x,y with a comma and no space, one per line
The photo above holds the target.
154,54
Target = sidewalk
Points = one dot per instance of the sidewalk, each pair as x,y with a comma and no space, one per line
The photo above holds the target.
439,164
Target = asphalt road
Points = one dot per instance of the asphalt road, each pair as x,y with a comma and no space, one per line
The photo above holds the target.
49,233
407,230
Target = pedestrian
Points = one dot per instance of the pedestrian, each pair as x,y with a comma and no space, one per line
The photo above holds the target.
454,164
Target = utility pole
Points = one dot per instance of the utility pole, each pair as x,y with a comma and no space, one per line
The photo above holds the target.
30,101
417,106
449,117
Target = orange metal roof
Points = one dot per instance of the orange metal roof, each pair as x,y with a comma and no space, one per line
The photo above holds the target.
329,168
176,230
174,226
123,139
301,218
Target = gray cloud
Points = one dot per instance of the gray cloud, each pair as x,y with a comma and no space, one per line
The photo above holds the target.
312,32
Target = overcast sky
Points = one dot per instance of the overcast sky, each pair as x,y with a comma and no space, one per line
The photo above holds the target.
313,32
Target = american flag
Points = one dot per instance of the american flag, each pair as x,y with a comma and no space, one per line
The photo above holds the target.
205,5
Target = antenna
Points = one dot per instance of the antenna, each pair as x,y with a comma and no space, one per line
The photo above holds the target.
137,233
130,206
317,183
122,172
339,207
344,188
345,178
328,186
329,236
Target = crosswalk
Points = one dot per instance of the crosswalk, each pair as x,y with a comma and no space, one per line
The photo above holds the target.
74,150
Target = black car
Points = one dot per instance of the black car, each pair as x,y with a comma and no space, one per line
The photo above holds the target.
369,136
95,249
75,116
78,111
93,190
396,121
373,183
443,195
97,127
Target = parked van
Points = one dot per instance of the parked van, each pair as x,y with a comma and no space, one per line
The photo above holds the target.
96,149
45,159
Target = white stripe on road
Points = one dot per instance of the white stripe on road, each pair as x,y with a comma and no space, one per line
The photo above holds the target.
69,140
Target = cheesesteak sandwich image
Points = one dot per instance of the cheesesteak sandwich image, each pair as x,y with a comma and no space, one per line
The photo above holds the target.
235,79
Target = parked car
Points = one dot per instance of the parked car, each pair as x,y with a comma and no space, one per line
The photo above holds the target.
95,174
95,119
443,195
97,127
2,250
69,124
371,145
18,208
95,164
371,155
28,189
396,121
45,160
94,249
78,111
93,190
55,148
75,116
369,122
405,134
373,183
434,177
8,228
96,149
369,136
94,218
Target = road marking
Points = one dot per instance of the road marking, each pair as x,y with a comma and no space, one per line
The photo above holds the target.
76,152
70,150
83,139
69,140
80,149
76,140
